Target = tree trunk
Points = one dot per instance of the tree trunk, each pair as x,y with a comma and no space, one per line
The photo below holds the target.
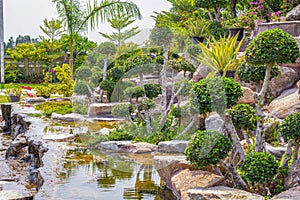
164,76
6,116
217,13
71,61
288,154
2,42
105,67
232,7
259,103
236,178
230,130
295,157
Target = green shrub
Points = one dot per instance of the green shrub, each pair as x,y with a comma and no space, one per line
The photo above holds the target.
182,65
207,148
134,92
290,127
81,88
115,73
217,30
243,117
81,109
122,110
212,91
48,108
255,73
271,47
152,90
259,167
83,73
120,134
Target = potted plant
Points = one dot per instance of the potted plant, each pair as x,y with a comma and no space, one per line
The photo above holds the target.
221,55
236,28
198,29
14,94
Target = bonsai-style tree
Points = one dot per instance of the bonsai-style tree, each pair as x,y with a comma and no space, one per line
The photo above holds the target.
207,148
217,94
255,74
152,90
290,130
243,118
269,48
106,48
162,36
260,167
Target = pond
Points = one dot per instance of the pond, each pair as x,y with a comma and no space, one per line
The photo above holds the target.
76,173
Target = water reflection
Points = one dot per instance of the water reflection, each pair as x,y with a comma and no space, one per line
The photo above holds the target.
107,176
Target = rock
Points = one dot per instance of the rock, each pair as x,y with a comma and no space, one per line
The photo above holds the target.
201,72
59,137
286,79
276,151
187,179
128,146
248,96
293,177
221,192
294,14
214,122
103,131
167,166
15,195
101,109
71,117
283,107
291,194
174,146
33,100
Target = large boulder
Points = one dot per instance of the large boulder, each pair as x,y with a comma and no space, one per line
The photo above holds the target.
221,192
294,14
167,166
291,194
15,195
101,109
283,107
248,96
174,146
201,72
70,117
187,179
214,122
128,146
285,80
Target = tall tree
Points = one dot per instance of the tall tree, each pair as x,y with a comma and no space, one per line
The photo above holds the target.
1,42
77,18
52,29
120,22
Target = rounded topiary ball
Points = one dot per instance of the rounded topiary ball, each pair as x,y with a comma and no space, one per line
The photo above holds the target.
289,127
255,73
259,167
243,117
215,93
272,46
207,148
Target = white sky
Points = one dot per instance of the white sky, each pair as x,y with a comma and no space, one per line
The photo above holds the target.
24,17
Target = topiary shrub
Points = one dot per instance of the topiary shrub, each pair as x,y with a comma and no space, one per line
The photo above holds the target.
255,73
182,65
81,88
225,92
289,127
207,148
259,167
272,46
134,92
243,117
116,73
152,90
83,73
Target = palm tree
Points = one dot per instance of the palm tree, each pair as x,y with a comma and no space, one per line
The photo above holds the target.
77,18
1,42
